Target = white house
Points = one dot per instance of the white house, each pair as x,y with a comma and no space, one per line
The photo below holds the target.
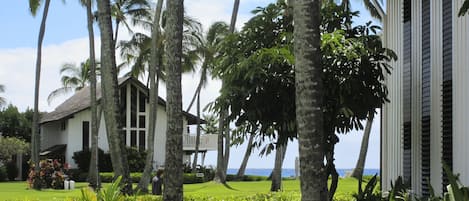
67,129
426,122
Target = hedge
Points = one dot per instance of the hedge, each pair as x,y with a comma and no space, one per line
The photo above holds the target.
189,178
232,177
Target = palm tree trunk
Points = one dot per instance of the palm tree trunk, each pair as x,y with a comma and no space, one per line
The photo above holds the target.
36,139
309,115
242,168
153,69
222,159
93,174
197,91
358,171
234,16
173,167
277,172
110,95
227,148
220,174
197,137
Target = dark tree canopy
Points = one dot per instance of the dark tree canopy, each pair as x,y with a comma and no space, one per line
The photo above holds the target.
16,124
257,66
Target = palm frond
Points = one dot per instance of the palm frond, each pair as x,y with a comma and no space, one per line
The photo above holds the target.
464,8
34,6
58,92
372,9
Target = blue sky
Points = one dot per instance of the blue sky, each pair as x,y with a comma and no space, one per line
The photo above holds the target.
66,41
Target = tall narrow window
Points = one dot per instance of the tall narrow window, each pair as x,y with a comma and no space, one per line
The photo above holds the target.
123,107
407,91
133,138
133,106
426,84
141,140
447,93
85,135
141,121
142,102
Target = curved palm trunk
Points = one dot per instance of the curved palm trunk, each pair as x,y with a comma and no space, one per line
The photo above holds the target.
309,115
93,174
197,137
197,91
242,168
277,172
360,166
36,139
223,158
173,167
153,69
110,96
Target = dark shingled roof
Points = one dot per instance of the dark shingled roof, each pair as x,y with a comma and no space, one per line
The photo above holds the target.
81,101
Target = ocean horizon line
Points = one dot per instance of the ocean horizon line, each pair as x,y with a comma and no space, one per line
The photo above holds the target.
290,172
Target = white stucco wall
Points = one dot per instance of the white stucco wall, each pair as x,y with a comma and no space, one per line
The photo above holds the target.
75,138
52,134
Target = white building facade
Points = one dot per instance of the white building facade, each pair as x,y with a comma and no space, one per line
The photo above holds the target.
426,122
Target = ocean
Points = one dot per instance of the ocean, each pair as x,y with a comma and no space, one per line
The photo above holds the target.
286,172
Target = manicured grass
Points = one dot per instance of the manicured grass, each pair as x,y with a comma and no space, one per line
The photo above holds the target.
19,191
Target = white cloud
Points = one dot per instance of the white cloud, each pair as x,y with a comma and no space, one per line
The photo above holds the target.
17,71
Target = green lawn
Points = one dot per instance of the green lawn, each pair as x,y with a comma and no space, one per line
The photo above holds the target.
19,190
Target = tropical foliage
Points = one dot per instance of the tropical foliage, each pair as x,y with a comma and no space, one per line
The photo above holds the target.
73,79
258,72
16,124
11,146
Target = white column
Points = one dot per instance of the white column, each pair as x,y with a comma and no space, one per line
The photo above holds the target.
436,102
392,122
460,93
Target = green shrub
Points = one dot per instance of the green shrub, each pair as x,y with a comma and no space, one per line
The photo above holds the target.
136,159
82,159
232,177
257,197
189,178
3,173
12,170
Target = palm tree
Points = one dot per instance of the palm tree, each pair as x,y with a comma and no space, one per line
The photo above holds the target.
309,115
153,69
2,100
110,96
137,50
73,79
173,167
359,167
35,145
137,10
223,155
93,174
207,48
280,152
